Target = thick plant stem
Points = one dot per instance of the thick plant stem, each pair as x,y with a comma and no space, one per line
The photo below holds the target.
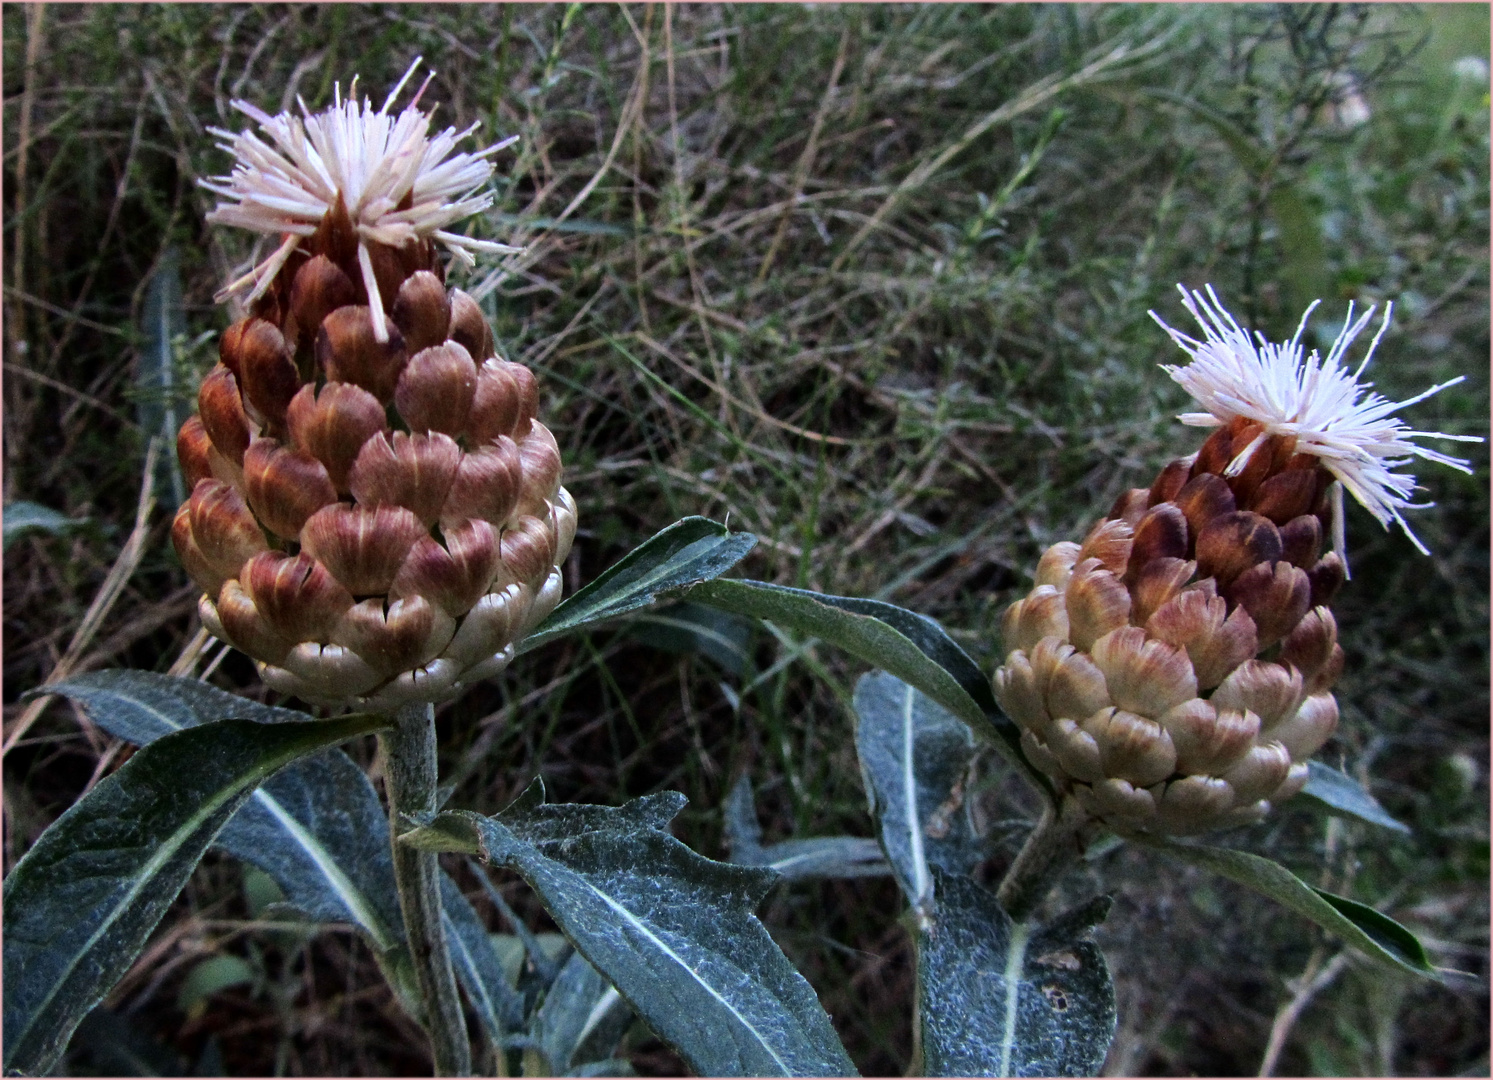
1049,852
410,778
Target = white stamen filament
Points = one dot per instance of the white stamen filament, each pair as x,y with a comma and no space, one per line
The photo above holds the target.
289,175
1315,400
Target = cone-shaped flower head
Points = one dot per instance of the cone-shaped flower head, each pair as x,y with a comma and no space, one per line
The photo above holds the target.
376,515
1173,672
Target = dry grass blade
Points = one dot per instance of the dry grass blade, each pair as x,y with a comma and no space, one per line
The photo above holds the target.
1038,93
103,601
1311,982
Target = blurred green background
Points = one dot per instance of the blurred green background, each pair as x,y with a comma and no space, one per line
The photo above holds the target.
871,282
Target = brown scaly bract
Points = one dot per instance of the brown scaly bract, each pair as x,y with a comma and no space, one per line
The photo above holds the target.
376,514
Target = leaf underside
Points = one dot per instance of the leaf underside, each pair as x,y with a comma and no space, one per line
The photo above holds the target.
998,998
914,757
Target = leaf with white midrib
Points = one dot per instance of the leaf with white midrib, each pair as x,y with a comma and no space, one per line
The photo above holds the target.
914,755
671,930
998,998
352,880
579,1006
81,903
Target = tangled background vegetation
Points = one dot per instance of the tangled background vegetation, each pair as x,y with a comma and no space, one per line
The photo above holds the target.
871,282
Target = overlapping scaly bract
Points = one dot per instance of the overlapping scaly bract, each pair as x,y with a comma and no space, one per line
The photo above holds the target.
1173,672
375,522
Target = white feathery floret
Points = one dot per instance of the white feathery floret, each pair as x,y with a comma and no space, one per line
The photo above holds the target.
1317,400
369,160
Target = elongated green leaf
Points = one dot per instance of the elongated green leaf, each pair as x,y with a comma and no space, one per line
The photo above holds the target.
158,399
22,517
81,903
581,1021
317,827
671,930
1339,793
690,551
998,998
911,646
817,857
1371,932
914,756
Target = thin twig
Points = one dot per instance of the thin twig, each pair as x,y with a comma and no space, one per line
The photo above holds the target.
806,159
1310,985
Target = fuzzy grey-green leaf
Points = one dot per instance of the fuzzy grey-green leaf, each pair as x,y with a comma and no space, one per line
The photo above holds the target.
582,1018
82,902
316,827
1339,793
671,930
914,755
998,998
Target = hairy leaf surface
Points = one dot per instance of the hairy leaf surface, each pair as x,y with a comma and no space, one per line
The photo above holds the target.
317,827
914,757
582,1019
671,930
998,998
82,902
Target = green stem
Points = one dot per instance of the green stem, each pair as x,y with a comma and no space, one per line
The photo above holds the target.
410,779
1054,846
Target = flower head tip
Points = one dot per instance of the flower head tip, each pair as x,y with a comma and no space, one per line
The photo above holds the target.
1318,401
394,181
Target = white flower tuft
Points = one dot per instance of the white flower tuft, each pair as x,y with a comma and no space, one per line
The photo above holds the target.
369,160
1330,413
